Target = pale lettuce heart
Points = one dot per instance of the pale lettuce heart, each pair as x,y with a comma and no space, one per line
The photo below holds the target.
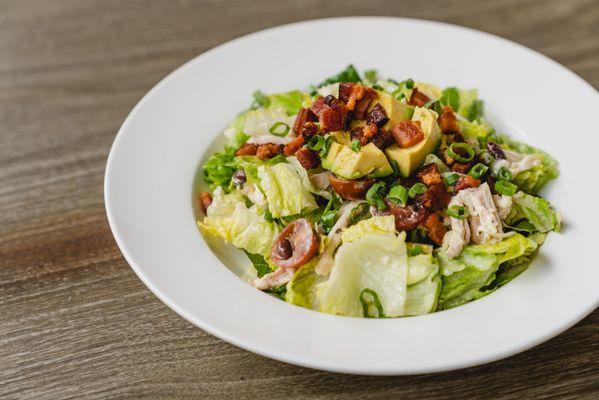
374,225
284,190
424,285
375,262
535,210
230,218
258,122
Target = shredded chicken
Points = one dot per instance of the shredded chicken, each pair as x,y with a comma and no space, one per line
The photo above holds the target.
503,204
458,237
516,162
485,224
274,279
327,260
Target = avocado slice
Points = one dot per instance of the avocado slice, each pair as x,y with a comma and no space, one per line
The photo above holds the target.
344,162
409,159
396,110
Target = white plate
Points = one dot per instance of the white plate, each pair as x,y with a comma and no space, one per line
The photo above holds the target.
167,135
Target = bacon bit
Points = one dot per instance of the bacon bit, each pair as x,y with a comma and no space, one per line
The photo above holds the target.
465,182
308,130
448,121
377,116
418,98
269,150
435,198
429,175
406,218
383,139
350,189
435,229
368,132
408,133
204,199
356,134
460,167
307,158
356,97
293,146
317,106
361,107
331,117
248,149
304,115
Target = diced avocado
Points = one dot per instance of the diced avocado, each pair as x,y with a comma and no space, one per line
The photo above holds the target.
396,110
409,159
348,164
341,137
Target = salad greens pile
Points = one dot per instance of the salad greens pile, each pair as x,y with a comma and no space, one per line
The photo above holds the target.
372,197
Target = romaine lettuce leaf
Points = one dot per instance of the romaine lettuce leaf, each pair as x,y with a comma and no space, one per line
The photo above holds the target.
230,218
291,102
465,277
301,289
374,263
476,129
259,122
535,210
533,179
374,225
424,285
349,74
284,190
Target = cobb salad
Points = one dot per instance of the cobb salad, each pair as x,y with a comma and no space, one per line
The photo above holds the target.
370,197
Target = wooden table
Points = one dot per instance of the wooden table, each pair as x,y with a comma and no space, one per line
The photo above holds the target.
75,321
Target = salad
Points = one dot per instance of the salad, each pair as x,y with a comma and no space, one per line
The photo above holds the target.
372,197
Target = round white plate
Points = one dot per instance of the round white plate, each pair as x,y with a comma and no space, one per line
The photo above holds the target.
151,167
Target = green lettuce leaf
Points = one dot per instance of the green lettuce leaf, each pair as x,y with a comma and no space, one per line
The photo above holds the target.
301,289
374,225
465,277
284,190
349,74
260,264
424,285
229,217
535,210
476,129
533,179
374,263
291,102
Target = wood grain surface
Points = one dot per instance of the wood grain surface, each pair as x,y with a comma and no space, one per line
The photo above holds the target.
75,322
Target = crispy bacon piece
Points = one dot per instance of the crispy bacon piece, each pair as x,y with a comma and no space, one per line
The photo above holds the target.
269,150
356,97
377,116
408,133
205,199
308,130
448,121
418,98
300,238
435,229
350,189
383,139
304,115
248,149
368,132
465,182
461,167
331,117
307,158
429,175
435,198
406,218
293,146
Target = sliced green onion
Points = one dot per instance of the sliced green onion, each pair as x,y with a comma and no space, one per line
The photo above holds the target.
260,100
399,195
451,179
478,170
409,83
417,189
370,75
414,250
452,151
275,129
367,304
355,146
458,212
374,196
504,174
505,188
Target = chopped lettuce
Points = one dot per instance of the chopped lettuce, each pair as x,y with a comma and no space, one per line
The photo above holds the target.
291,102
424,285
349,74
475,129
374,225
284,190
229,217
259,122
533,179
465,277
374,263
301,288
260,264
535,210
